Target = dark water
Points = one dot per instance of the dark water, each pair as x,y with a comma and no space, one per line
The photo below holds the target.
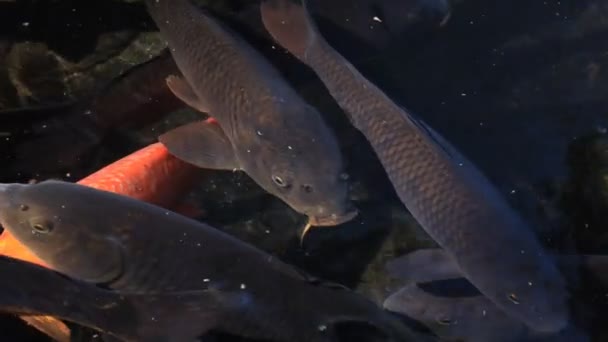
520,87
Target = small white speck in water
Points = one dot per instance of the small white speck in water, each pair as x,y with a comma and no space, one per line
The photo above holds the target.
243,286
206,280
289,147
375,18
259,133
513,191
25,24
322,327
529,283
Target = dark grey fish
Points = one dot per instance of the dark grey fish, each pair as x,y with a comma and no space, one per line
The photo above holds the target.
267,130
26,288
452,200
471,318
135,247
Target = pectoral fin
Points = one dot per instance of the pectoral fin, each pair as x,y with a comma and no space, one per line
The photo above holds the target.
183,91
424,265
202,144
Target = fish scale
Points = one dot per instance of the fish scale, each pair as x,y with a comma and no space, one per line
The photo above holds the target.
297,158
141,274
215,56
453,201
443,199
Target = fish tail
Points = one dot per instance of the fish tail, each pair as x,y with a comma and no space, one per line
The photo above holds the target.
289,24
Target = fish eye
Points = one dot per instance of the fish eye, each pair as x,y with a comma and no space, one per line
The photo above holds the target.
513,297
41,226
279,181
307,188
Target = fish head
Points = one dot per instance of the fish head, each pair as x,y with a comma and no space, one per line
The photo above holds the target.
436,314
59,226
300,162
529,287
466,318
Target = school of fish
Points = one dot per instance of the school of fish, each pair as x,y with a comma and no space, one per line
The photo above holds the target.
122,253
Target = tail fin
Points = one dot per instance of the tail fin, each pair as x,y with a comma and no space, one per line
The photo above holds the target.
290,25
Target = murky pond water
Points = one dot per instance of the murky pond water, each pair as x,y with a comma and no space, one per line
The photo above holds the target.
519,87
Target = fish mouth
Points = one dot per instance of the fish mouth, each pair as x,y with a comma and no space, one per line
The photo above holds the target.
333,219
328,221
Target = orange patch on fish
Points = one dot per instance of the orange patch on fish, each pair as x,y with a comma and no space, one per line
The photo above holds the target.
11,247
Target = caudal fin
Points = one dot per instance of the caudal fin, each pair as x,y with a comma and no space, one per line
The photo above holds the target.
290,25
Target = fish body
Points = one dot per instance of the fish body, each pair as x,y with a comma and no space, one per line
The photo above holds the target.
266,129
150,174
453,201
468,318
76,301
471,317
135,247
127,317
